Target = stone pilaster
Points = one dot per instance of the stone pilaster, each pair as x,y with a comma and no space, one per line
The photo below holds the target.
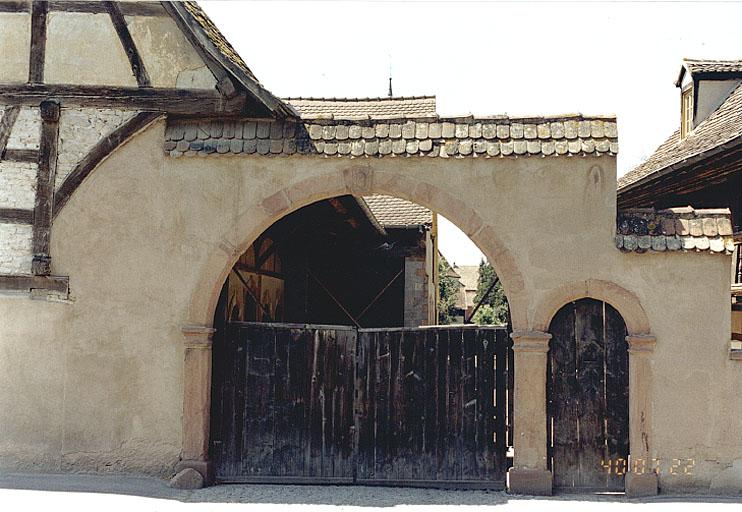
640,480
530,473
196,399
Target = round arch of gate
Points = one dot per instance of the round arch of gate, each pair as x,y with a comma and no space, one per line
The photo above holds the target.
248,225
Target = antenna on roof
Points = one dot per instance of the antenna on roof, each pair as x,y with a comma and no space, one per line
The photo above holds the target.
390,75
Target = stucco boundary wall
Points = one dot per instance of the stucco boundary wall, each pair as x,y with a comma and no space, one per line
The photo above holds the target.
97,382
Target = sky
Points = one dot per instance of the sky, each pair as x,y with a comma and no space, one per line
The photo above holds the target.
489,57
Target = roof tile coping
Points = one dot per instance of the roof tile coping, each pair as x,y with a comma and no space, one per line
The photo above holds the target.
675,229
467,136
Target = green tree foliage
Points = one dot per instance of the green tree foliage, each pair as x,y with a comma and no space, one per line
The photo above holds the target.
494,309
448,288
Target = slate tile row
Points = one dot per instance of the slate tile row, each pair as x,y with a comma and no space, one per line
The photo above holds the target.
428,136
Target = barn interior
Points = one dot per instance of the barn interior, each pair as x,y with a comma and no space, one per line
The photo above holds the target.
357,261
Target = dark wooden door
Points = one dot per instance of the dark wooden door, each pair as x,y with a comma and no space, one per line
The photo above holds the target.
328,404
283,403
588,397
431,406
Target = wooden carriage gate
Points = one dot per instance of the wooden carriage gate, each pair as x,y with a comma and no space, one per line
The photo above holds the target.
332,404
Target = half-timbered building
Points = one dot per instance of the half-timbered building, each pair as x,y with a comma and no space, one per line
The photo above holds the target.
141,160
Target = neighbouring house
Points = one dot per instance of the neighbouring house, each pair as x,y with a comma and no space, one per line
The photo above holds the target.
469,279
699,165
143,166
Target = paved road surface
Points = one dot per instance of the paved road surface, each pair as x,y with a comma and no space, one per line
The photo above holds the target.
27,493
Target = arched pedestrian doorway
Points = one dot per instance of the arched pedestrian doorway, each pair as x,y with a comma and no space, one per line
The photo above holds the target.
329,365
588,397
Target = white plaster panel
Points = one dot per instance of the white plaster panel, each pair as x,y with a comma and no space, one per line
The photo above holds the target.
84,48
15,43
15,248
79,130
26,131
17,185
170,60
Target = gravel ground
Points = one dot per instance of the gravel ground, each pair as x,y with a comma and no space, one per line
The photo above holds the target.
127,493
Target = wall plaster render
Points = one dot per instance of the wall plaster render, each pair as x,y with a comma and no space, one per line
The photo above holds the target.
147,241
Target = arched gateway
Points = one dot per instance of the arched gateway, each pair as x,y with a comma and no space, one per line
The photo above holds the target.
129,191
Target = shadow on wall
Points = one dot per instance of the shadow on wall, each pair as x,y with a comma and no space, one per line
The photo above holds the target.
359,496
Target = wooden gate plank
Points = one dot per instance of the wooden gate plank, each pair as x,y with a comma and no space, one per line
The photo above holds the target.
284,455
499,406
455,405
470,441
486,409
617,397
591,405
428,466
256,442
382,464
562,405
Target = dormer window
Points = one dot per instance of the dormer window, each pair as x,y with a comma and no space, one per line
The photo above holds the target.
686,112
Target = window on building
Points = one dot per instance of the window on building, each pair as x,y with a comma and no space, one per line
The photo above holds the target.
686,112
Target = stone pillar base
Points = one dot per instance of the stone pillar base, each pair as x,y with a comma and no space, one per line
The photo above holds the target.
534,482
204,467
639,486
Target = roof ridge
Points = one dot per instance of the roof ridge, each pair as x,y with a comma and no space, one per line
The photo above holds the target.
465,118
730,61
358,99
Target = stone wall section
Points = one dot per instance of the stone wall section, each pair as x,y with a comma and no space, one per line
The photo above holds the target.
17,185
26,131
15,248
80,129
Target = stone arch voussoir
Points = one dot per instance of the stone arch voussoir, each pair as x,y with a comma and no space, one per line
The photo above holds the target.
358,180
626,302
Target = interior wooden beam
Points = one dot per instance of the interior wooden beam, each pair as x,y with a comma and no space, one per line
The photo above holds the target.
175,101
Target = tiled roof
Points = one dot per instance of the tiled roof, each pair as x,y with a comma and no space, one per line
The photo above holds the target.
419,136
674,229
395,212
217,37
721,127
372,107
204,34
695,66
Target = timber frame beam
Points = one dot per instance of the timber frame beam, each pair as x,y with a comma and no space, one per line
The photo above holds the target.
100,151
141,8
42,218
56,284
135,60
173,101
